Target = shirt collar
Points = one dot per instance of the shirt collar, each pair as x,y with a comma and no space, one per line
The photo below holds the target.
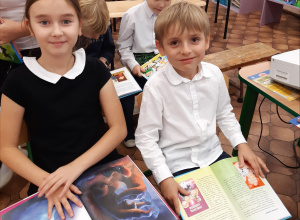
148,11
32,64
176,79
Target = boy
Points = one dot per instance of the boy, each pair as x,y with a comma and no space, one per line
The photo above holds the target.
136,45
183,102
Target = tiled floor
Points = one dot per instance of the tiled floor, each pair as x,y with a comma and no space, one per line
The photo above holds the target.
277,137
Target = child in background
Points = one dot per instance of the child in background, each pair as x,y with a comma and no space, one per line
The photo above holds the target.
61,96
102,48
136,45
182,103
95,22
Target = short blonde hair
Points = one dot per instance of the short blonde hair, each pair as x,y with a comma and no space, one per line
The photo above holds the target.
183,15
95,15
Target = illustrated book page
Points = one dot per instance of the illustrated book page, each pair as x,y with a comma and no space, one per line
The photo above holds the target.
153,65
10,52
124,82
119,190
225,191
33,207
265,80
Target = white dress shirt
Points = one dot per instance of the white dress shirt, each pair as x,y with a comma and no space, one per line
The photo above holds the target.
177,123
136,34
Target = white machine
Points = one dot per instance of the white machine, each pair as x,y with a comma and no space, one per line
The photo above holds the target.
285,68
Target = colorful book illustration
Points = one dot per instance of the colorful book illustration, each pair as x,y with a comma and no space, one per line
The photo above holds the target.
124,82
117,190
10,52
33,207
225,191
265,80
153,65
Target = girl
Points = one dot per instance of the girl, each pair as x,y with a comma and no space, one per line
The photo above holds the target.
61,96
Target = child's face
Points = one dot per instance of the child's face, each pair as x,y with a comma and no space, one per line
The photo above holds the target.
55,25
158,5
184,50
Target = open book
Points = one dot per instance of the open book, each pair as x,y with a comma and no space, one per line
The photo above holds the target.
117,190
10,52
153,65
124,82
225,191
265,80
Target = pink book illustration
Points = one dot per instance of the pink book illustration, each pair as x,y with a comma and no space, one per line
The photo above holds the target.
194,203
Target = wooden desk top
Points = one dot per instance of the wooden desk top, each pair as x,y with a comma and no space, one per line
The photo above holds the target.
293,106
241,56
118,8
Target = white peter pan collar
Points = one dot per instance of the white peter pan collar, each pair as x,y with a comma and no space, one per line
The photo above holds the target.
32,64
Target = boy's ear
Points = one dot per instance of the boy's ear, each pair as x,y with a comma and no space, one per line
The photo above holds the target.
80,28
27,25
207,42
160,48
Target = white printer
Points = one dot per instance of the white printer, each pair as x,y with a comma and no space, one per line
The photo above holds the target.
285,68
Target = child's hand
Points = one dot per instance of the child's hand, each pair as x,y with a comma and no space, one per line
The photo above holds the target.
63,176
138,70
58,202
169,189
246,154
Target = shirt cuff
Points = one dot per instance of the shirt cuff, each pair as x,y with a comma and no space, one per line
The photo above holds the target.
236,140
132,63
161,173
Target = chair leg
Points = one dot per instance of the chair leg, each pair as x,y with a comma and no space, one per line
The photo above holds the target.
227,18
206,6
217,11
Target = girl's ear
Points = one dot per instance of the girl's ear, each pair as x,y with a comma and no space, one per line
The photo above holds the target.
27,25
160,48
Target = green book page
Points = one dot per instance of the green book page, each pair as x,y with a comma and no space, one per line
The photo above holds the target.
252,197
207,199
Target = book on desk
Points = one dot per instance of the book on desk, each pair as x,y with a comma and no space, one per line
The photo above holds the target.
264,80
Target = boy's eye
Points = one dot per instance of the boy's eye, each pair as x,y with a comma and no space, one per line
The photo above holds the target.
174,43
66,22
195,39
44,22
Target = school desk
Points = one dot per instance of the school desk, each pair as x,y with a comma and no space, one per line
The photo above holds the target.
118,8
252,92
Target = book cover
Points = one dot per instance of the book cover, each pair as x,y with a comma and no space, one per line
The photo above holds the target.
295,121
124,82
33,207
265,80
10,52
117,190
153,65
226,191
